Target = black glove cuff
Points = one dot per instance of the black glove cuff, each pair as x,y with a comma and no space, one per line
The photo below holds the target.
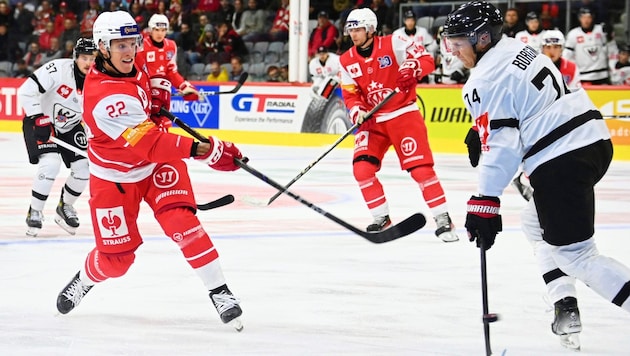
193,149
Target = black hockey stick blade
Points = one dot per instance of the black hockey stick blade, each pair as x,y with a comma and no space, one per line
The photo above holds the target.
223,201
339,140
404,228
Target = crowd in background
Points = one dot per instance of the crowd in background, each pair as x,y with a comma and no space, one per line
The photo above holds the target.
233,36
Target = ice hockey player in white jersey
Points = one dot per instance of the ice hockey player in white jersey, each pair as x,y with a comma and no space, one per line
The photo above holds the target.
621,69
52,99
324,70
524,113
532,34
418,34
586,46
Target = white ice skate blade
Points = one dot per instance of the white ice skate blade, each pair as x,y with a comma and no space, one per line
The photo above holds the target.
32,231
236,324
571,341
62,223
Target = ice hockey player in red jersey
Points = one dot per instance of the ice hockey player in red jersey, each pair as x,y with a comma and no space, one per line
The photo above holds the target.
160,56
132,160
372,69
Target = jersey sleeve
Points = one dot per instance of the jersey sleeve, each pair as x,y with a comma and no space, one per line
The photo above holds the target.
41,81
350,90
123,119
405,49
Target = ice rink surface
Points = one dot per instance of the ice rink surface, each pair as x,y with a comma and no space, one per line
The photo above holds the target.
307,286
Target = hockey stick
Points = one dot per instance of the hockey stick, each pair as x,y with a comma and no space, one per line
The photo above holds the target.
339,140
239,84
487,317
523,189
404,228
224,200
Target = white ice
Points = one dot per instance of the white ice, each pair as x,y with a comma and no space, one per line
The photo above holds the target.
307,286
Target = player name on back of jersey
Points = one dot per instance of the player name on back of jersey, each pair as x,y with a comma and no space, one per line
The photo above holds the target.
525,57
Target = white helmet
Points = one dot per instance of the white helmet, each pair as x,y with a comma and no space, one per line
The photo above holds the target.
158,21
114,25
363,17
552,37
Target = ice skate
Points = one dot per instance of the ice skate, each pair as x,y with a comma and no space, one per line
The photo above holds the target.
72,294
227,306
566,323
380,223
34,220
67,217
445,228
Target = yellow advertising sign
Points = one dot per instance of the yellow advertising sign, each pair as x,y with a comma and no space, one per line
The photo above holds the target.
448,120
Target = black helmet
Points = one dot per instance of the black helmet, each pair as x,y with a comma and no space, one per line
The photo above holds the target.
474,19
84,46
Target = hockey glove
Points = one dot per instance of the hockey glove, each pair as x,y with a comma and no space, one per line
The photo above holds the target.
162,122
483,221
473,143
160,95
357,116
408,75
42,127
458,77
189,91
221,155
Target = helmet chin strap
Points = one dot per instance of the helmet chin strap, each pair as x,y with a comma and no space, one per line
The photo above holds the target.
109,62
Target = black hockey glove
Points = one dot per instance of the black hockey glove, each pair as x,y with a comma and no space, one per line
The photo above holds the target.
42,127
473,143
483,221
458,77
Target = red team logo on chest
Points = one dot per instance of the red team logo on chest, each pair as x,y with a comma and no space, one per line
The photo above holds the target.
64,91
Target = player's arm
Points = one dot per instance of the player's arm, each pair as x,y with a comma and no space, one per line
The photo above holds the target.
413,60
353,97
189,91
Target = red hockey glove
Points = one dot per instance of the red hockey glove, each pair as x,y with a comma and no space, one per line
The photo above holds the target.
162,122
483,221
189,91
408,75
221,155
473,143
42,127
160,95
357,116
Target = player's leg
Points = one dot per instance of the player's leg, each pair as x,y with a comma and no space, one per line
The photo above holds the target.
176,215
114,208
409,138
369,149
66,215
48,167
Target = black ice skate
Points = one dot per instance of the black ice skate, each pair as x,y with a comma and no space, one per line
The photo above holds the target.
380,223
227,306
67,217
72,294
34,220
566,323
445,228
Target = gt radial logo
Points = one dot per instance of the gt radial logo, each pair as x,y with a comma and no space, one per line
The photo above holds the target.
268,103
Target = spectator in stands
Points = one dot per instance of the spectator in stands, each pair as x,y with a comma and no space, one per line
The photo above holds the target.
237,68
586,46
324,35
532,35
621,71
279,30
61,17
8,45
252,23
88,17
33,56
217,73
136,9
380,9
230,43
284,73
238,14
187,43
512,23
43,15
68,49
21,70
5,13
225,13
44,38
54,52
199,26
273,74
549,15
22,23
176,18
208,6
208,45
70,32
